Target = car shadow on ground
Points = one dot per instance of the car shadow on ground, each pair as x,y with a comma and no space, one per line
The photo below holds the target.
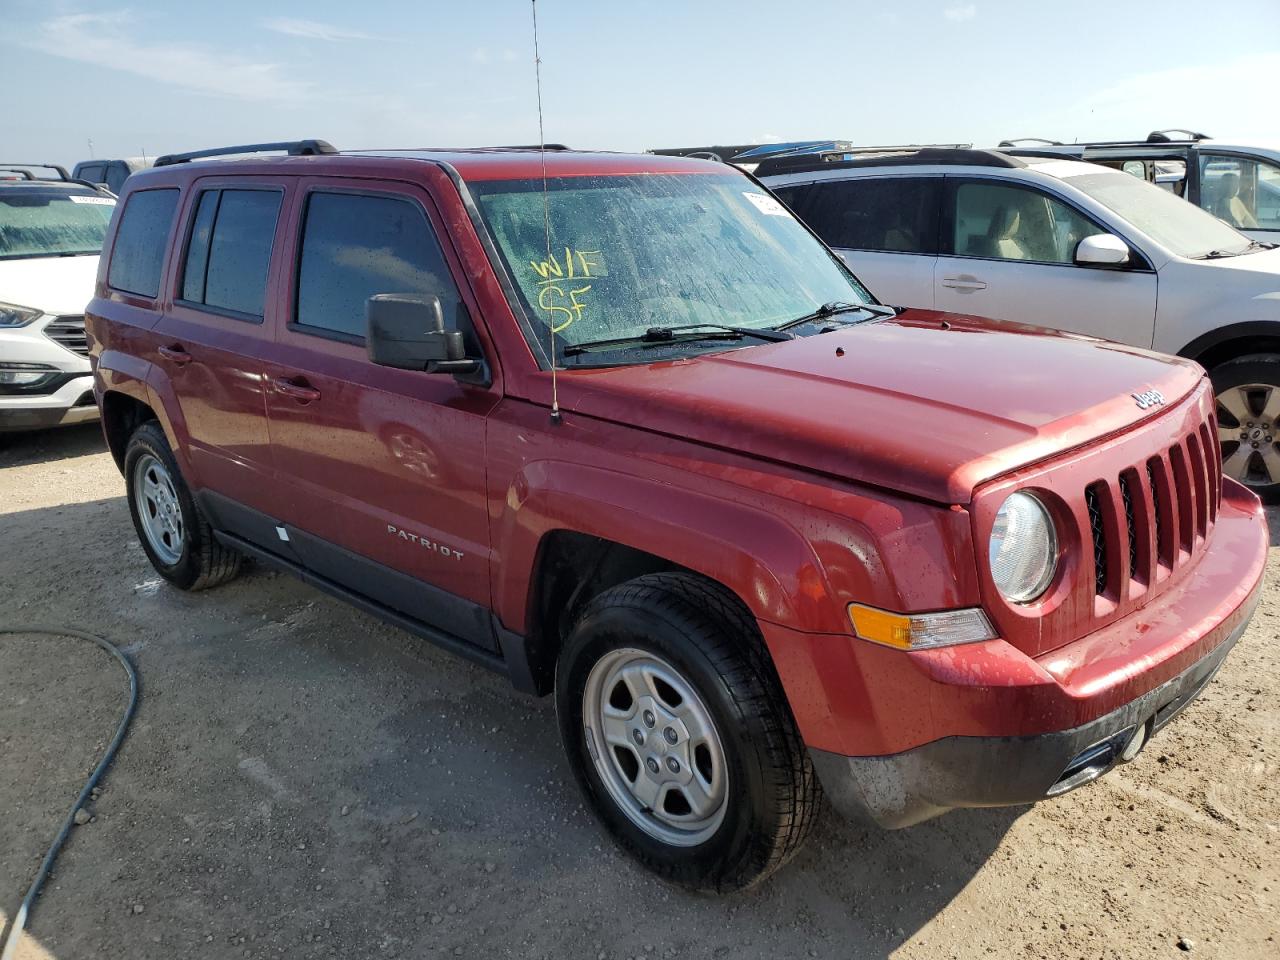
46,446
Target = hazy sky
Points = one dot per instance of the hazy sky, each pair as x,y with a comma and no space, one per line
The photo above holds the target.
182,75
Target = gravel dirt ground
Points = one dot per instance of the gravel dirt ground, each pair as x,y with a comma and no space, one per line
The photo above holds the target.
303,781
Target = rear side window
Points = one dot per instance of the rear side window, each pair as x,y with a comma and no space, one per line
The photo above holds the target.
137,256
230,250
885,214
355,246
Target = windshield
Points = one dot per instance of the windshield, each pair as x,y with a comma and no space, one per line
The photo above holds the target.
36,222
632,252
1183,228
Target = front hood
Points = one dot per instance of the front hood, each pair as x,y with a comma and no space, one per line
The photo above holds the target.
53,285
928,404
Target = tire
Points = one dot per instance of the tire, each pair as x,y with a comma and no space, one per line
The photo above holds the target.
1248,405
174,533
688,652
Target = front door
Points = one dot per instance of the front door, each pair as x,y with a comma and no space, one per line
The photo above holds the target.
385,467
1009,254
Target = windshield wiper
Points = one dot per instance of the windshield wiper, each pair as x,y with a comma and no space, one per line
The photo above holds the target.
1216,255
687,333
837,307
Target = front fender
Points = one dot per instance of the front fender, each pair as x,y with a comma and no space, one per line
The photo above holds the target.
764,560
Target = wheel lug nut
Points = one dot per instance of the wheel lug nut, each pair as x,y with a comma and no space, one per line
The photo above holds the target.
649,718
670,735
652,764
637,736
673,764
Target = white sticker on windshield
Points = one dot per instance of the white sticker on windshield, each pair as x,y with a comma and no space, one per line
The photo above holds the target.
766,204
103,201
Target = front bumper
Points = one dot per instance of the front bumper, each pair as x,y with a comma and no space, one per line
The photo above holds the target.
918,784
73,402
901,736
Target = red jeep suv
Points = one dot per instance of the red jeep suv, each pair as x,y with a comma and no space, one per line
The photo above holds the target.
621,428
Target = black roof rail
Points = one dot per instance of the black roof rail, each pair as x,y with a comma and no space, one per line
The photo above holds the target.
25,174
1034,141
530,146
14,166
294,148
888,156
1164,136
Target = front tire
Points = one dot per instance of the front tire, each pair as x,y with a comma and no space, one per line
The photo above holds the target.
680,736
177,538
1247,391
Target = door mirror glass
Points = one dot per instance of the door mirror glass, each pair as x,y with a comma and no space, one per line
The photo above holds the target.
1102,250
407,331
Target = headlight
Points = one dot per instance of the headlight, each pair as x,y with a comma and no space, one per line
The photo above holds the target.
15,316
1024,548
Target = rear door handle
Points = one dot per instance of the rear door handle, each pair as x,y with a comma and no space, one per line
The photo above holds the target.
965,284
302,391
176,354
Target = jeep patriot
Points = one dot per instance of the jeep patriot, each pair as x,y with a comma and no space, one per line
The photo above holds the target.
622,429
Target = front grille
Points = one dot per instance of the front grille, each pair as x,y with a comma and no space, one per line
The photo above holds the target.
69,332
1093,501
1163,510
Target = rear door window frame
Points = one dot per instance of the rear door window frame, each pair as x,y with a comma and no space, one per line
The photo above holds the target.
199,191
936,180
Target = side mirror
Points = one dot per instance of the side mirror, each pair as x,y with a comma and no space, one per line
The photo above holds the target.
406,331
1102,250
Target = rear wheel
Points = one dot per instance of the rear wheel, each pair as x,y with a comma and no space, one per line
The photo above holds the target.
174,533
1247,390
680,736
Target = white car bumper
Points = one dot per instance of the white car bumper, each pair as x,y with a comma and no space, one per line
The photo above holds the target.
65,396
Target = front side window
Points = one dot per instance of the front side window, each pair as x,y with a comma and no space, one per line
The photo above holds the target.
230,250
627,253
356,246
137,255
999,221
887,214
1180,227
1241,192
51,222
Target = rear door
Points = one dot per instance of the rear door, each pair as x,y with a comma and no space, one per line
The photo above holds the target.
884,227
385,468
1008,252
211,339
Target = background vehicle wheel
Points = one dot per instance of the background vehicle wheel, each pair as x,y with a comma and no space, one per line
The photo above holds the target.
174,533
680,736
1248,400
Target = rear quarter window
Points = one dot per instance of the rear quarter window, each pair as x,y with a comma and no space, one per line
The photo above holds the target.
137,255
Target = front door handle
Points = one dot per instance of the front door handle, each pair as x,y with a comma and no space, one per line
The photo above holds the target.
176,354
964,283
297,388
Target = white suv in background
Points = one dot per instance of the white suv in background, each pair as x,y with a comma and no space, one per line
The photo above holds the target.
1064,244
51,232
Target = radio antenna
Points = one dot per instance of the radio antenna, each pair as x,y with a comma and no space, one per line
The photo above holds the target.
546,211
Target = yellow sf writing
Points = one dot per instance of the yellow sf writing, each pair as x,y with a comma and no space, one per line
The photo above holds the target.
564,305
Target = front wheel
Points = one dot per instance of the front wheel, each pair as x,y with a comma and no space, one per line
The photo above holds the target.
1247,390
680,736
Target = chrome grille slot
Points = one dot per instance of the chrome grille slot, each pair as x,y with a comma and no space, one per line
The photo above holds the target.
68,332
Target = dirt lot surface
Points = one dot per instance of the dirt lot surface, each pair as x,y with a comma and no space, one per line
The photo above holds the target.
303,781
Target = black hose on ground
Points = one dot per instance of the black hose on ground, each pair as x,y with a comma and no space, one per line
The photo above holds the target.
24,911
